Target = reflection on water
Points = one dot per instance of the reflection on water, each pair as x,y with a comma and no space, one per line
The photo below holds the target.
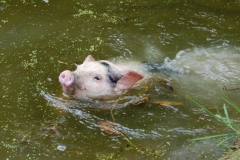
197,44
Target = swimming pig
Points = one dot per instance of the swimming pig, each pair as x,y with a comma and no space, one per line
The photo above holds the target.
94,79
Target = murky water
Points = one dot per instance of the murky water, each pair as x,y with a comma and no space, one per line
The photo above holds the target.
197,42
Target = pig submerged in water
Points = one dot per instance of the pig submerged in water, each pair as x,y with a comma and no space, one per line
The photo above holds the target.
98,79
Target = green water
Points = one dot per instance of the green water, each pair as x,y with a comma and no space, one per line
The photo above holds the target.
40,39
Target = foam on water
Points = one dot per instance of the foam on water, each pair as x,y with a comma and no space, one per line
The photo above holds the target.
203,72
219,63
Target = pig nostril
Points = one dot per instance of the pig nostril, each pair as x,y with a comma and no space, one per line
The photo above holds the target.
63,76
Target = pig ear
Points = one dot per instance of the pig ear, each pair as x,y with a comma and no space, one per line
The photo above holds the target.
128,80
89,59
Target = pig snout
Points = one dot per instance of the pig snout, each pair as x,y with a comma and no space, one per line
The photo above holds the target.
66,78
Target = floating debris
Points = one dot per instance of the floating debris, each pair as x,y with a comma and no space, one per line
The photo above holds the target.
232,89
109,128
168,103
140,101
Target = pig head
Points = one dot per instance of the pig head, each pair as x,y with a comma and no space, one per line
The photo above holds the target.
94,79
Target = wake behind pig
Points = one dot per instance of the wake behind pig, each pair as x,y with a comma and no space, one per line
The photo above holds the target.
101,79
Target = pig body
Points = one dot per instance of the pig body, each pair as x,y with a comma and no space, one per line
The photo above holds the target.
99,79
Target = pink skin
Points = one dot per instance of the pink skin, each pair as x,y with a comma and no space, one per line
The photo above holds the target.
94,79
66,78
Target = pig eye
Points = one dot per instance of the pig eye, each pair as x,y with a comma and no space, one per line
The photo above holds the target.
97,78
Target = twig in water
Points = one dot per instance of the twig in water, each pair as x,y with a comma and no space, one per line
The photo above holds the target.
224,88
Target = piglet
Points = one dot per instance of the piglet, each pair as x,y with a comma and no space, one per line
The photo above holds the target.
97,79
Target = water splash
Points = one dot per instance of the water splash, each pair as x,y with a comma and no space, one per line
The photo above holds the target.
219,64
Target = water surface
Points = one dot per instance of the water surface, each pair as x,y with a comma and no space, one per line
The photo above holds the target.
199,41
